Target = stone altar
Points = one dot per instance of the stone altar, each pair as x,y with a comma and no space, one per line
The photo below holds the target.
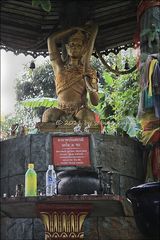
121,155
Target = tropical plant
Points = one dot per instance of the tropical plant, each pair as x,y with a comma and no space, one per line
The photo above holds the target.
119,103
40,102
45,4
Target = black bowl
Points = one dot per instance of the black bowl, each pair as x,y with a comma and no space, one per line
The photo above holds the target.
145,200
77,182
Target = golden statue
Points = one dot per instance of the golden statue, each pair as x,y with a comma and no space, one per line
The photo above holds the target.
74,76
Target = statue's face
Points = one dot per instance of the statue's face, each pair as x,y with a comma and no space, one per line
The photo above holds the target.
75,48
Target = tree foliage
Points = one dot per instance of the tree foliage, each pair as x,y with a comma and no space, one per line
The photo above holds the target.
118,104
37,83
119,96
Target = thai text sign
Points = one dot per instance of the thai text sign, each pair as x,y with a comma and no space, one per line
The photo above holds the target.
71,151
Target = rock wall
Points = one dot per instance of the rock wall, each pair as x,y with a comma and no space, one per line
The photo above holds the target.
111,228
119,154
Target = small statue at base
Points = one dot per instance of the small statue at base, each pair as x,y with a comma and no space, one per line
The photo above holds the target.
74,76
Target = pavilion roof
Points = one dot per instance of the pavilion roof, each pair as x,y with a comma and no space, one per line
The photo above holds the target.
25,29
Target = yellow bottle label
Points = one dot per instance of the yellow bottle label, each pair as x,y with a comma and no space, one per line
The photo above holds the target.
30,183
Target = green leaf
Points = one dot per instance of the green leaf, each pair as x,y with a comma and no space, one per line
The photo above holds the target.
130,125
40,102
35,3
46,5
108,78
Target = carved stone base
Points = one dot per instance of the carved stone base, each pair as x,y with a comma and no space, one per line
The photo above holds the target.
67,127
63,221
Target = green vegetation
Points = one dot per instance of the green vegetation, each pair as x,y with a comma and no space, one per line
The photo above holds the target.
118,105
44,4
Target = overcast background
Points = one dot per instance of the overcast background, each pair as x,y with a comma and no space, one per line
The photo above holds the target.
11,67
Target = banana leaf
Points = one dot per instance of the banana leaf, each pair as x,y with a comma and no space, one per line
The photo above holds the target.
40,102
131,126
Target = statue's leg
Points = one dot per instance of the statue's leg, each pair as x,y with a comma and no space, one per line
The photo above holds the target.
85,115
52,115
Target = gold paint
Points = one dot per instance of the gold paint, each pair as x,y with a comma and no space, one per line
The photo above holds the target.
51,223
81,235
72,235
48,235
82,217
63,225
64,221
76,223
45,219
55,235
68,224
72,216
59,223
64,235
55,217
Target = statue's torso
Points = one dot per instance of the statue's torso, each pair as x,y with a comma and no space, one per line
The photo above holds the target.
70,86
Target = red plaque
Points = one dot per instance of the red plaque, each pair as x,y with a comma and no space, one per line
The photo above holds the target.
71,151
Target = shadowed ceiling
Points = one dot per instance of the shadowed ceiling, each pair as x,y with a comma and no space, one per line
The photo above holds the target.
25,29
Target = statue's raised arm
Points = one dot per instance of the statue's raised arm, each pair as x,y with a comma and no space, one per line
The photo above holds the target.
92,30
87,34
54,50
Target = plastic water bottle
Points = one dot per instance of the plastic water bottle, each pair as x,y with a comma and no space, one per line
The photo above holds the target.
51,188
30,181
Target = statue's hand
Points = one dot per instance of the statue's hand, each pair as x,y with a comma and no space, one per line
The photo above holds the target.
90,26
91,84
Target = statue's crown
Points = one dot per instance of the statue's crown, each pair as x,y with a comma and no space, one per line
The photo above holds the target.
78,35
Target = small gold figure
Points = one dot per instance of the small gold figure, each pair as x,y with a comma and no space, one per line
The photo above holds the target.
74,76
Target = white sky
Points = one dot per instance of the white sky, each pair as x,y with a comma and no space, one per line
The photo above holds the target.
11,67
